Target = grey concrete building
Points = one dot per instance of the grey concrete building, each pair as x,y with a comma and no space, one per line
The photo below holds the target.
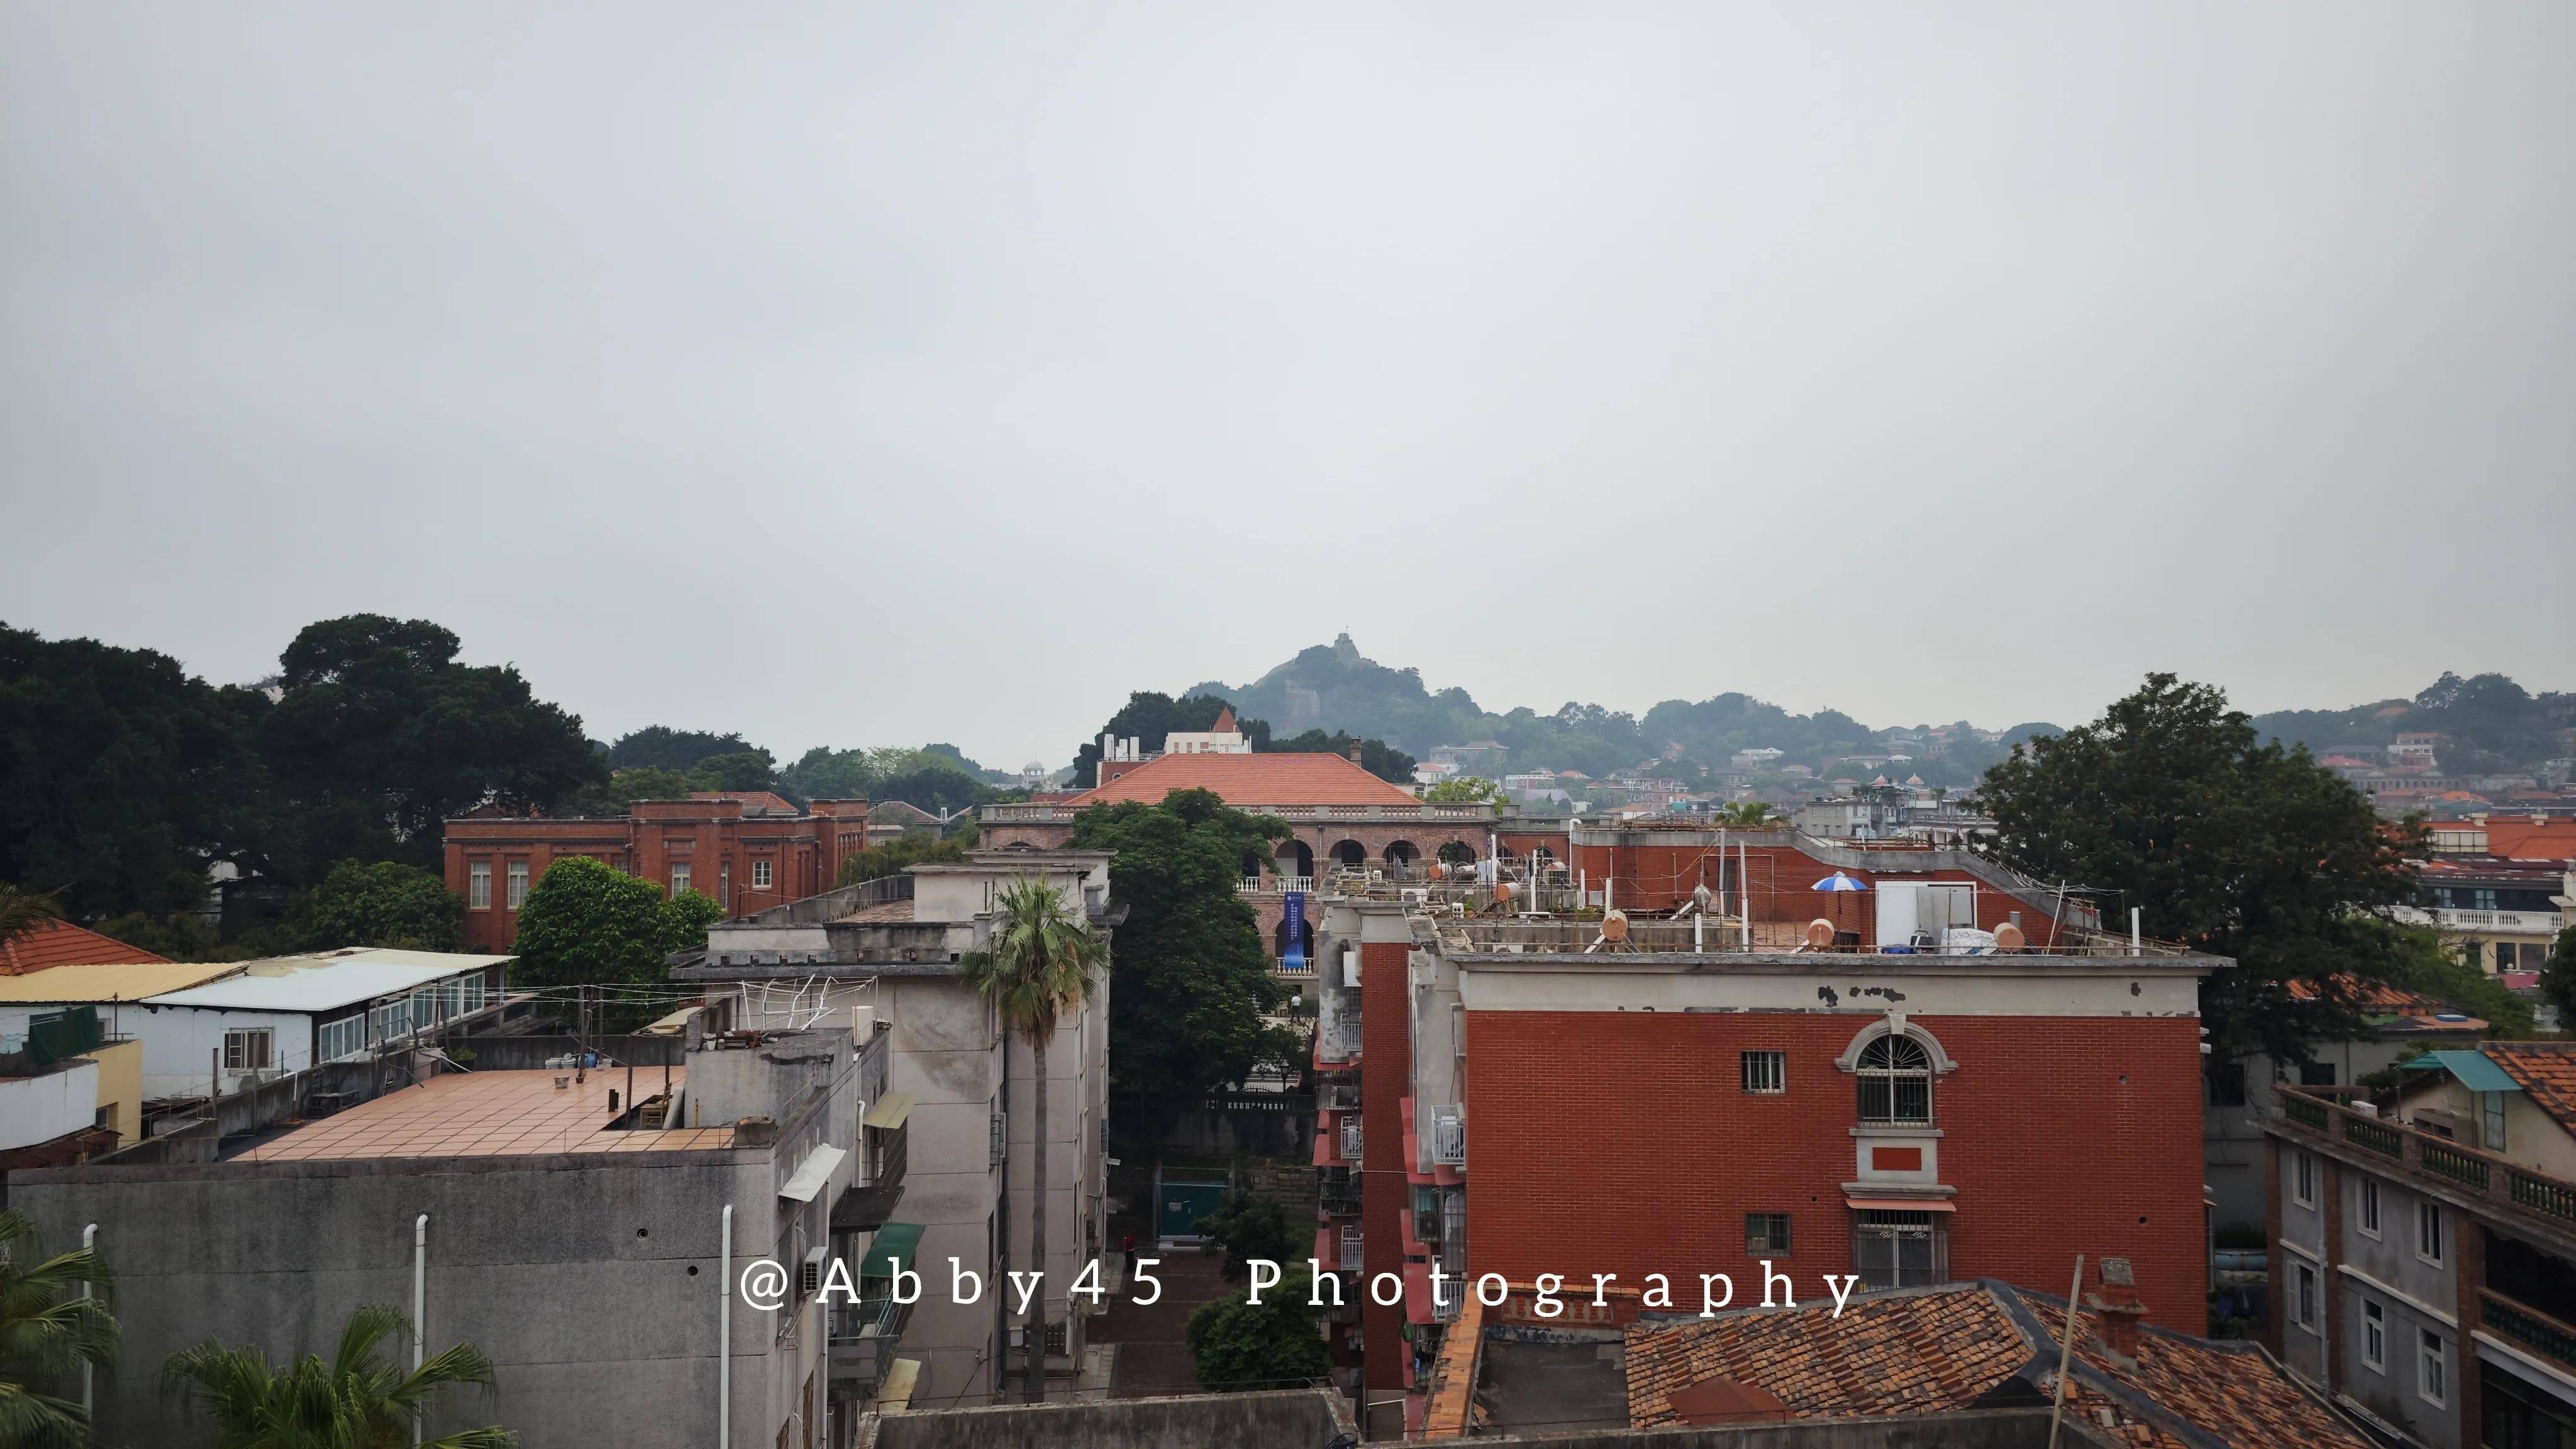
886,955
2423,1259
545,1216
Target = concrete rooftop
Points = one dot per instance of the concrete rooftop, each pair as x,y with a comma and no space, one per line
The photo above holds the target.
490,1114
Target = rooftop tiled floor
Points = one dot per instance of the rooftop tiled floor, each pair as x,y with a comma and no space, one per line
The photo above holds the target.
490,1114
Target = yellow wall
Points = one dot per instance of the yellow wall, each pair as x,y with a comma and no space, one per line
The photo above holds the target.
120,1086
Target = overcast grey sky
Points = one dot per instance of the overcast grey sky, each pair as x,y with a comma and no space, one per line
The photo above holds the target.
864,374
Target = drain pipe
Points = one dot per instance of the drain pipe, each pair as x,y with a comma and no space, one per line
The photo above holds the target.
724,1340
89,1244
419,1310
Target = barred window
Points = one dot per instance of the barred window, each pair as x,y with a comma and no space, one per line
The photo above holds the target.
1896,1081
1766,1233
1766,1073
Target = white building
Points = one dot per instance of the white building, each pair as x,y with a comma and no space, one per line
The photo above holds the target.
230,1022
1224,737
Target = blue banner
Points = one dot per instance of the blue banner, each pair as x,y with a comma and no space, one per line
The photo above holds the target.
1294,963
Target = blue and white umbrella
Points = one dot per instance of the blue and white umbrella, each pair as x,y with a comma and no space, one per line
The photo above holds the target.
1838,882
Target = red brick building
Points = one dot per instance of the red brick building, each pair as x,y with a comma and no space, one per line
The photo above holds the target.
1534,1099
749,852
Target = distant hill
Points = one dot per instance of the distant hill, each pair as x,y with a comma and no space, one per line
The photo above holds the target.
1333,687
2495,724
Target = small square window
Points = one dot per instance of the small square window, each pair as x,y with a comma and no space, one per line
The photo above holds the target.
252,1050
760,875
1766,1073
1766,1233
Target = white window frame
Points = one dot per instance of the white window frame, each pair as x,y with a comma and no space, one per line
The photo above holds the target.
2303,1296
1765,1073
518,884
2374,1335
2368,1218
2428,1231
478,886
760,875
335,1040
250,1048
2432,1368
680,878
2303,1178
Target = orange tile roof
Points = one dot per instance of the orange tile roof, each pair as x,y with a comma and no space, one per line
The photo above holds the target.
60,943
1251,781
489,1114
2531,840
1929,1350
2547,1072
1225,722
754,802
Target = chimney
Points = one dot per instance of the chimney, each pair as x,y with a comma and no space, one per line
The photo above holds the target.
1355,752
2116,1311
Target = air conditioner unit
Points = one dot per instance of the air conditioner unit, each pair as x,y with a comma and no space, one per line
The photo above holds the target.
809,1278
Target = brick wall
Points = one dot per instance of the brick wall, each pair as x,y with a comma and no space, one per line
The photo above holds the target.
1386,1074
1622,1142
1654,877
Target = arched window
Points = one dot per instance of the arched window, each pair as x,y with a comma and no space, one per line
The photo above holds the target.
1896,1081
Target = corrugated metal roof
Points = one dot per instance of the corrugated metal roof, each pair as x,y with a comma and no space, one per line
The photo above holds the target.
120,981
2474,1070
324,984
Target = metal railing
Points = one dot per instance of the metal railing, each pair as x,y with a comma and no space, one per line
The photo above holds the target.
862,1339
2498,1181
2529,1327
1353,1242
1351,1139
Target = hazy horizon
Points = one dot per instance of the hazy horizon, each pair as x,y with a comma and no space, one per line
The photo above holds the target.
877,377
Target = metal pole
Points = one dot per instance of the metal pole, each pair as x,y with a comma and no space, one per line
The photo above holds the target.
2137,943
89,1244
2065,1351
724,1340
419,1310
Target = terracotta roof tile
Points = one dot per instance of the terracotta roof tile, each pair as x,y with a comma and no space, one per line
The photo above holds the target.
1929,1350
60,943
2547,1072
1251,781
490,1114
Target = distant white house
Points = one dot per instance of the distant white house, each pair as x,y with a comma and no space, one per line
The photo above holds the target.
1224,737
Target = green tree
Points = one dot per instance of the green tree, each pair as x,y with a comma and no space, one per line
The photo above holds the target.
1150,717
22,910
659,747
741,770
1248,1226
1237,1345
2247,850
1747,815
2558,978
617,795
584,923
358,1400
383,904
2423,965
378,735
48,1330
1376,756
1464,790
916,848
1043,961
121,777
1192,977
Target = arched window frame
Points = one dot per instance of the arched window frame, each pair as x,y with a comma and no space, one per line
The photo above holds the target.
1938,1066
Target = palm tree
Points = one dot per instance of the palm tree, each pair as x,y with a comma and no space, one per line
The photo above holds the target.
356,1401
1747,814
49,1329
21,909
1040,965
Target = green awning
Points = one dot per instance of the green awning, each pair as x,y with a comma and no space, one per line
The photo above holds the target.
2476,1070
898,1241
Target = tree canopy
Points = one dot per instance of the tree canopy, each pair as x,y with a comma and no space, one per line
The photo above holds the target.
586,923
1376,756
1248,1226
385,903
1190,977
1237,1345
361,1399
2168,803
660,747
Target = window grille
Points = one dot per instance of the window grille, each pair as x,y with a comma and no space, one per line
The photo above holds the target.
1896,1081
1766,1073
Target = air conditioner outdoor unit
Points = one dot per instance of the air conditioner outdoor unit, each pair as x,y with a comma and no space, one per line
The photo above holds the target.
809,1278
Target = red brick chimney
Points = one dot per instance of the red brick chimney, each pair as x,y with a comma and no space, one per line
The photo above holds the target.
2116,1311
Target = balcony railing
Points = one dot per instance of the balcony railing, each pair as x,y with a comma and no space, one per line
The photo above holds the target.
2529,1327
2474,1172
867,1205
1351,1139
863,1337
1339,1193
1353,1241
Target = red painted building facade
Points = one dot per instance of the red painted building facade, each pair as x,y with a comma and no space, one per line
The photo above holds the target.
745,861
